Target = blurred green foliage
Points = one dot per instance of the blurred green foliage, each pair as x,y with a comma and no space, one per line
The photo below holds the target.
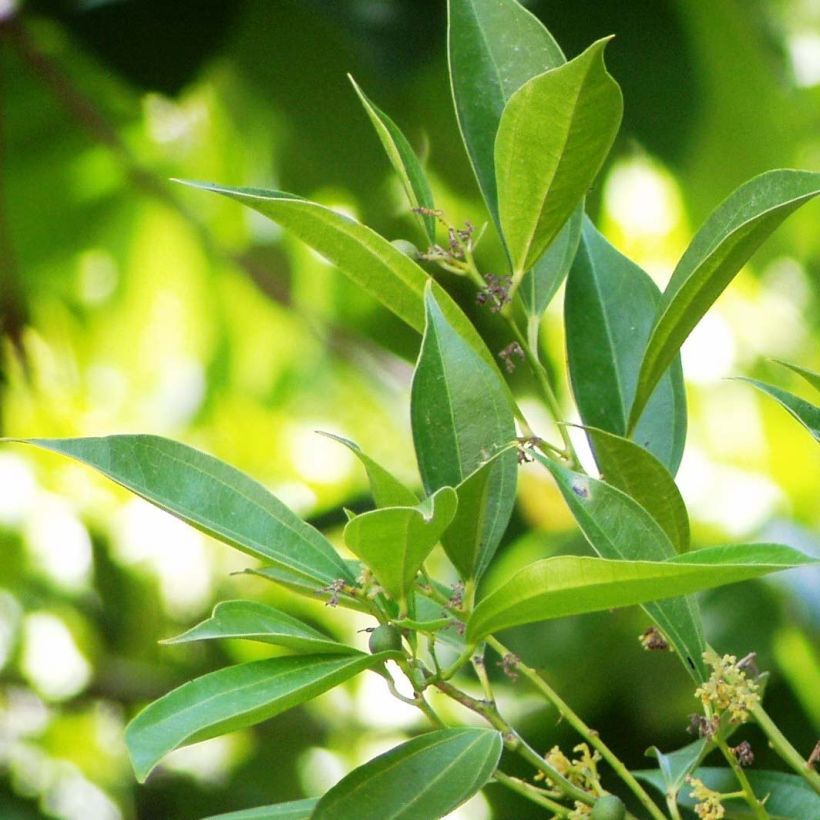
129,304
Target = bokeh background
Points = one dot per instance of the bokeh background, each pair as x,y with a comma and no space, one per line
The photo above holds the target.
129,304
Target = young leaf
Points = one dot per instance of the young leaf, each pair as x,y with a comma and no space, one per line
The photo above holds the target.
572,585
293,810
805,412
426,777
210,495
461,416
725,242
641,476
259,622
234,698
394,541
617,527
809,375
553,138
494,47
673,767
609,307
387,490
404,161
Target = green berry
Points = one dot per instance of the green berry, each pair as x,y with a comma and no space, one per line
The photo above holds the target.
385,638
608,807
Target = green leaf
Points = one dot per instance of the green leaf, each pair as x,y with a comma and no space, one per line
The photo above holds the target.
573,585
809,375
259,622
394,541
404,161
234,698
293,810
805,412
461,417
725,242
541,283
641,476
609,308
673,767
423,779
387,490
617,527
789,795
494,47
210,495
553,138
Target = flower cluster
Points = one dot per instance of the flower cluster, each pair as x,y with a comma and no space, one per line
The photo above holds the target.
709,806
728,687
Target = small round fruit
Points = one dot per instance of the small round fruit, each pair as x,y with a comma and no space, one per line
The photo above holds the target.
385,638
608,807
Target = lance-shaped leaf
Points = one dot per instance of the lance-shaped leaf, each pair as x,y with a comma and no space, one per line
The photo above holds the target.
404,161
494,47
641,476
554,136
258,622
805,412
292,810
609,308
572,585
387,490
725,242
788,796
212,496
461,417
394,541
809,375
365,257
426,777
234,698
617,527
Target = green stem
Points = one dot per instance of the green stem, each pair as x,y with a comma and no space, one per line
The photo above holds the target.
531,792
748,792
460,661
672,805
588,734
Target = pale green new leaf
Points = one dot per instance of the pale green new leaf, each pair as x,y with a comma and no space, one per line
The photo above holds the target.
259,622
809,375
394,541
805,412
553,138
422,779
725,242
404,161
573,585
234,698
293,810
212,496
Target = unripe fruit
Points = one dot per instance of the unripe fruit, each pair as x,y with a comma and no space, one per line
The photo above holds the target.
407,248
385,638
608,807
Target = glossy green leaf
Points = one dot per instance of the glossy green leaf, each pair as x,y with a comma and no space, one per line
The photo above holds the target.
809,375
234,698
494,47
573,585
461,417
404,161
423,779
293,810
387,490
394,541
212,496
553,138
617,527
805,412
259,622
725,242
789,795
641,476
609,308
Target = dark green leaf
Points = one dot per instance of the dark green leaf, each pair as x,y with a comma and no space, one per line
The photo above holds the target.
423,779
212,496
294,810
809,375
805,412
673,767
404,161
259,622
609,308
234,698
725,242
461,417
553,138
